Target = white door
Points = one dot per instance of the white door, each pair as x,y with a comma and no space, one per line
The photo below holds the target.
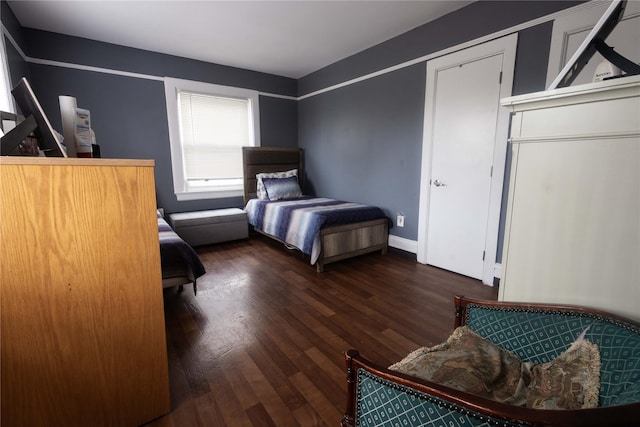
463,122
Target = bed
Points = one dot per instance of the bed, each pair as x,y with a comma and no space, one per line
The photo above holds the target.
339,230
180,262
585,367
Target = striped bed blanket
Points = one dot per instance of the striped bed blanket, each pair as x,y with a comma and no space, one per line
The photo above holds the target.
177,257
298,222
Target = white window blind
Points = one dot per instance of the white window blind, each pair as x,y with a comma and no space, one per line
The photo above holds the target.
213,130
208,126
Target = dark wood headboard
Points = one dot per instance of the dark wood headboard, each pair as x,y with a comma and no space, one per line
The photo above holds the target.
269,159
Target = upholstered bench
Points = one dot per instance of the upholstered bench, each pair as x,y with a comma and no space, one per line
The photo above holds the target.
213,226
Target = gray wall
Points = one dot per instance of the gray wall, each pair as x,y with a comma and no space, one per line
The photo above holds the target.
372,131
17,65
128,114
469,23
130,121
362,142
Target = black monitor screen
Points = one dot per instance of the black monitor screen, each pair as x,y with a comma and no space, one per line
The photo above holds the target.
585,51
29,106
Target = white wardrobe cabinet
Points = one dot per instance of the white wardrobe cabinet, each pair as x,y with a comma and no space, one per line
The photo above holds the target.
573,217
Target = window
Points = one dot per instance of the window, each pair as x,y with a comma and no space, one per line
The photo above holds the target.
6,100
208,126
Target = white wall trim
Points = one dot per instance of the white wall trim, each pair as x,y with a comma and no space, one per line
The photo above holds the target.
275,95
17,47
403,244
497,271
409,63
105,70
452,49
94,69
411,246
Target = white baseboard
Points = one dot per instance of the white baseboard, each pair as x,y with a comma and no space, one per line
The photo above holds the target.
497,270
411,246
403,244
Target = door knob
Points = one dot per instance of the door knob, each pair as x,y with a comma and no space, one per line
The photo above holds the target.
439,183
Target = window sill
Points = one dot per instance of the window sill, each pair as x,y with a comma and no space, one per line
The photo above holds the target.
201,195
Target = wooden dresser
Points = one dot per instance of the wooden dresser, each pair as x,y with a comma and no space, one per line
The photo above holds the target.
82,338
573,217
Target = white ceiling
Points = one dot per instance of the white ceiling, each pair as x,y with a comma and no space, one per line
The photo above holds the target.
287,38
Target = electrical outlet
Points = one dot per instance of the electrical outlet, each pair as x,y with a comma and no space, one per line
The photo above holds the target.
400,220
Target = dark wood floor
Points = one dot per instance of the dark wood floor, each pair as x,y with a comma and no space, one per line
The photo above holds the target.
262,343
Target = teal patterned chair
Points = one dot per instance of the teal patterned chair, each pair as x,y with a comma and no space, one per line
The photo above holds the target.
534,332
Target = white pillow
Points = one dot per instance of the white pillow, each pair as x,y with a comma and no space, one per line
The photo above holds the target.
260,191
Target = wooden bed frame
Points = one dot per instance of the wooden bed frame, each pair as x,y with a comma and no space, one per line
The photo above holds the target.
179,282
337,242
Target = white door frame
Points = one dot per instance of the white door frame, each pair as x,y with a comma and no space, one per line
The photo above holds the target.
507,47
581,19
